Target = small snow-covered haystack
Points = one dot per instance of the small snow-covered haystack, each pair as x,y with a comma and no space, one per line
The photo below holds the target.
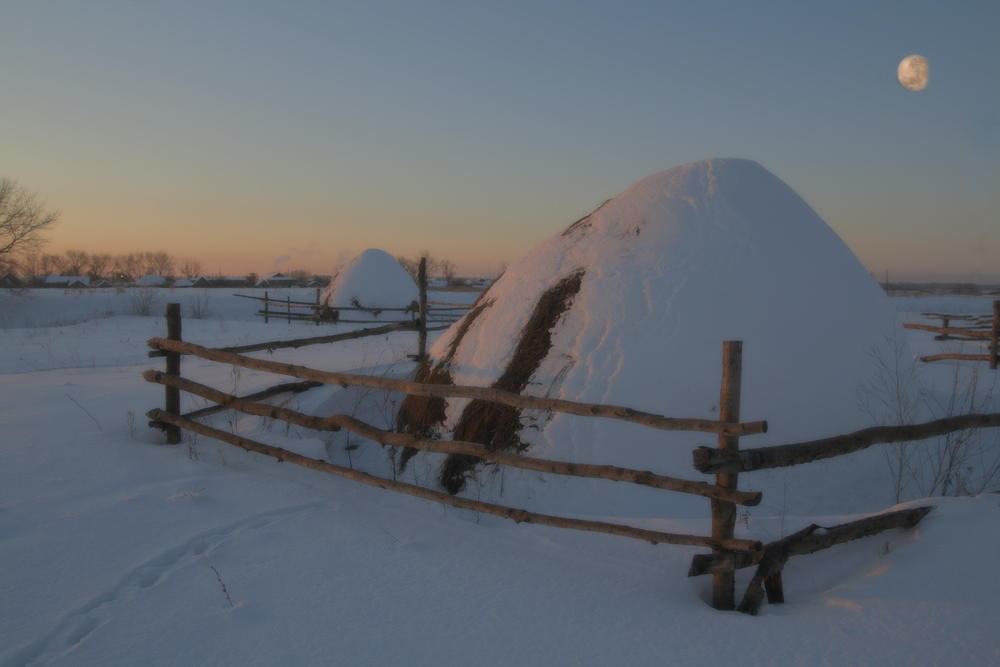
629,306
372,280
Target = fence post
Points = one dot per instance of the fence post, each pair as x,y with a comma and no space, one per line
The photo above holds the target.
173,395
265,307
422,284
317,307
995,338
724,513
288,304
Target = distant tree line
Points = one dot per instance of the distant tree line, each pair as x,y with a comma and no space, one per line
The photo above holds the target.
445,268
126,268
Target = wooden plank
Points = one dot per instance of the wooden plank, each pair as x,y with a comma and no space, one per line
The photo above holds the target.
812,539
714,461
316,340
458,391
956,356
276,390
995,336
172,395
958,331
422,318
336,422
517,515
723,512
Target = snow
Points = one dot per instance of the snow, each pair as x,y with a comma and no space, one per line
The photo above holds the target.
373,279
116,549
676,264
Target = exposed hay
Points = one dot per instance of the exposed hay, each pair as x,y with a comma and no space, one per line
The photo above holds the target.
499,426
421,415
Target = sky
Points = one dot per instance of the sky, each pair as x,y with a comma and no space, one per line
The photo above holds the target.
272,136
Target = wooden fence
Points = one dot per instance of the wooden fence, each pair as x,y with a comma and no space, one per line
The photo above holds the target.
438,315
726,462
979,328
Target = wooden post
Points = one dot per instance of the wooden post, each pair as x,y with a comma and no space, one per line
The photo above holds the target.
288,304
944,325
265,307
172,395
422,284
724,513
317,307
995,338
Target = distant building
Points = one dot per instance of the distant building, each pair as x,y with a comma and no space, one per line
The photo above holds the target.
67,282
151,280
10,281
277,280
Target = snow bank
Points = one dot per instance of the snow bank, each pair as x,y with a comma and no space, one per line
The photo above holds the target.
675,265
373,279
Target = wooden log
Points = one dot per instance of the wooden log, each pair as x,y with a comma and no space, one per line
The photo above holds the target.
336,422
517,515
241,404
422,285
995,336
311,306
723,512
709,460
276,390
172,395
613,473
958,331
728,561
270,346
457,391
956,356
810,540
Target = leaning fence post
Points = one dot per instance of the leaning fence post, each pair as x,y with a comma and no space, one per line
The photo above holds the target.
724,513
422,284
995,338
173,395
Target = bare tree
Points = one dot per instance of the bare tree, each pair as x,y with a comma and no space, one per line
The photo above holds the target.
412,266
74,262
448,271
128,267
23,221
49,264
191,268
29,266
159,263
100,265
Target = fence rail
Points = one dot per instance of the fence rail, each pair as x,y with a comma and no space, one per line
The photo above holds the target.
726,462
975,332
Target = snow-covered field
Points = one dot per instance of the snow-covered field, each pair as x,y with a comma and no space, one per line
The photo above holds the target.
116,550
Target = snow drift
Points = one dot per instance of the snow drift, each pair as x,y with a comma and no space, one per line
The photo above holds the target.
373,279
632,304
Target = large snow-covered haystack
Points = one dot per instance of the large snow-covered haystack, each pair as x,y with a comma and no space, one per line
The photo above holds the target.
374,280
630,306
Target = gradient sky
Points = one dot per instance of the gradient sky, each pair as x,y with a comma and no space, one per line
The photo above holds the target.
257,136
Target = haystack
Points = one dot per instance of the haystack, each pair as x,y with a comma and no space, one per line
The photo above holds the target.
630,306
373,280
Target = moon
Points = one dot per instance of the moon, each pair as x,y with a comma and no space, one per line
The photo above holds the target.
913,72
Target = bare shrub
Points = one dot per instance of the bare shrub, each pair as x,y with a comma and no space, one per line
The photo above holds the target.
960,463
199,309
141,302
